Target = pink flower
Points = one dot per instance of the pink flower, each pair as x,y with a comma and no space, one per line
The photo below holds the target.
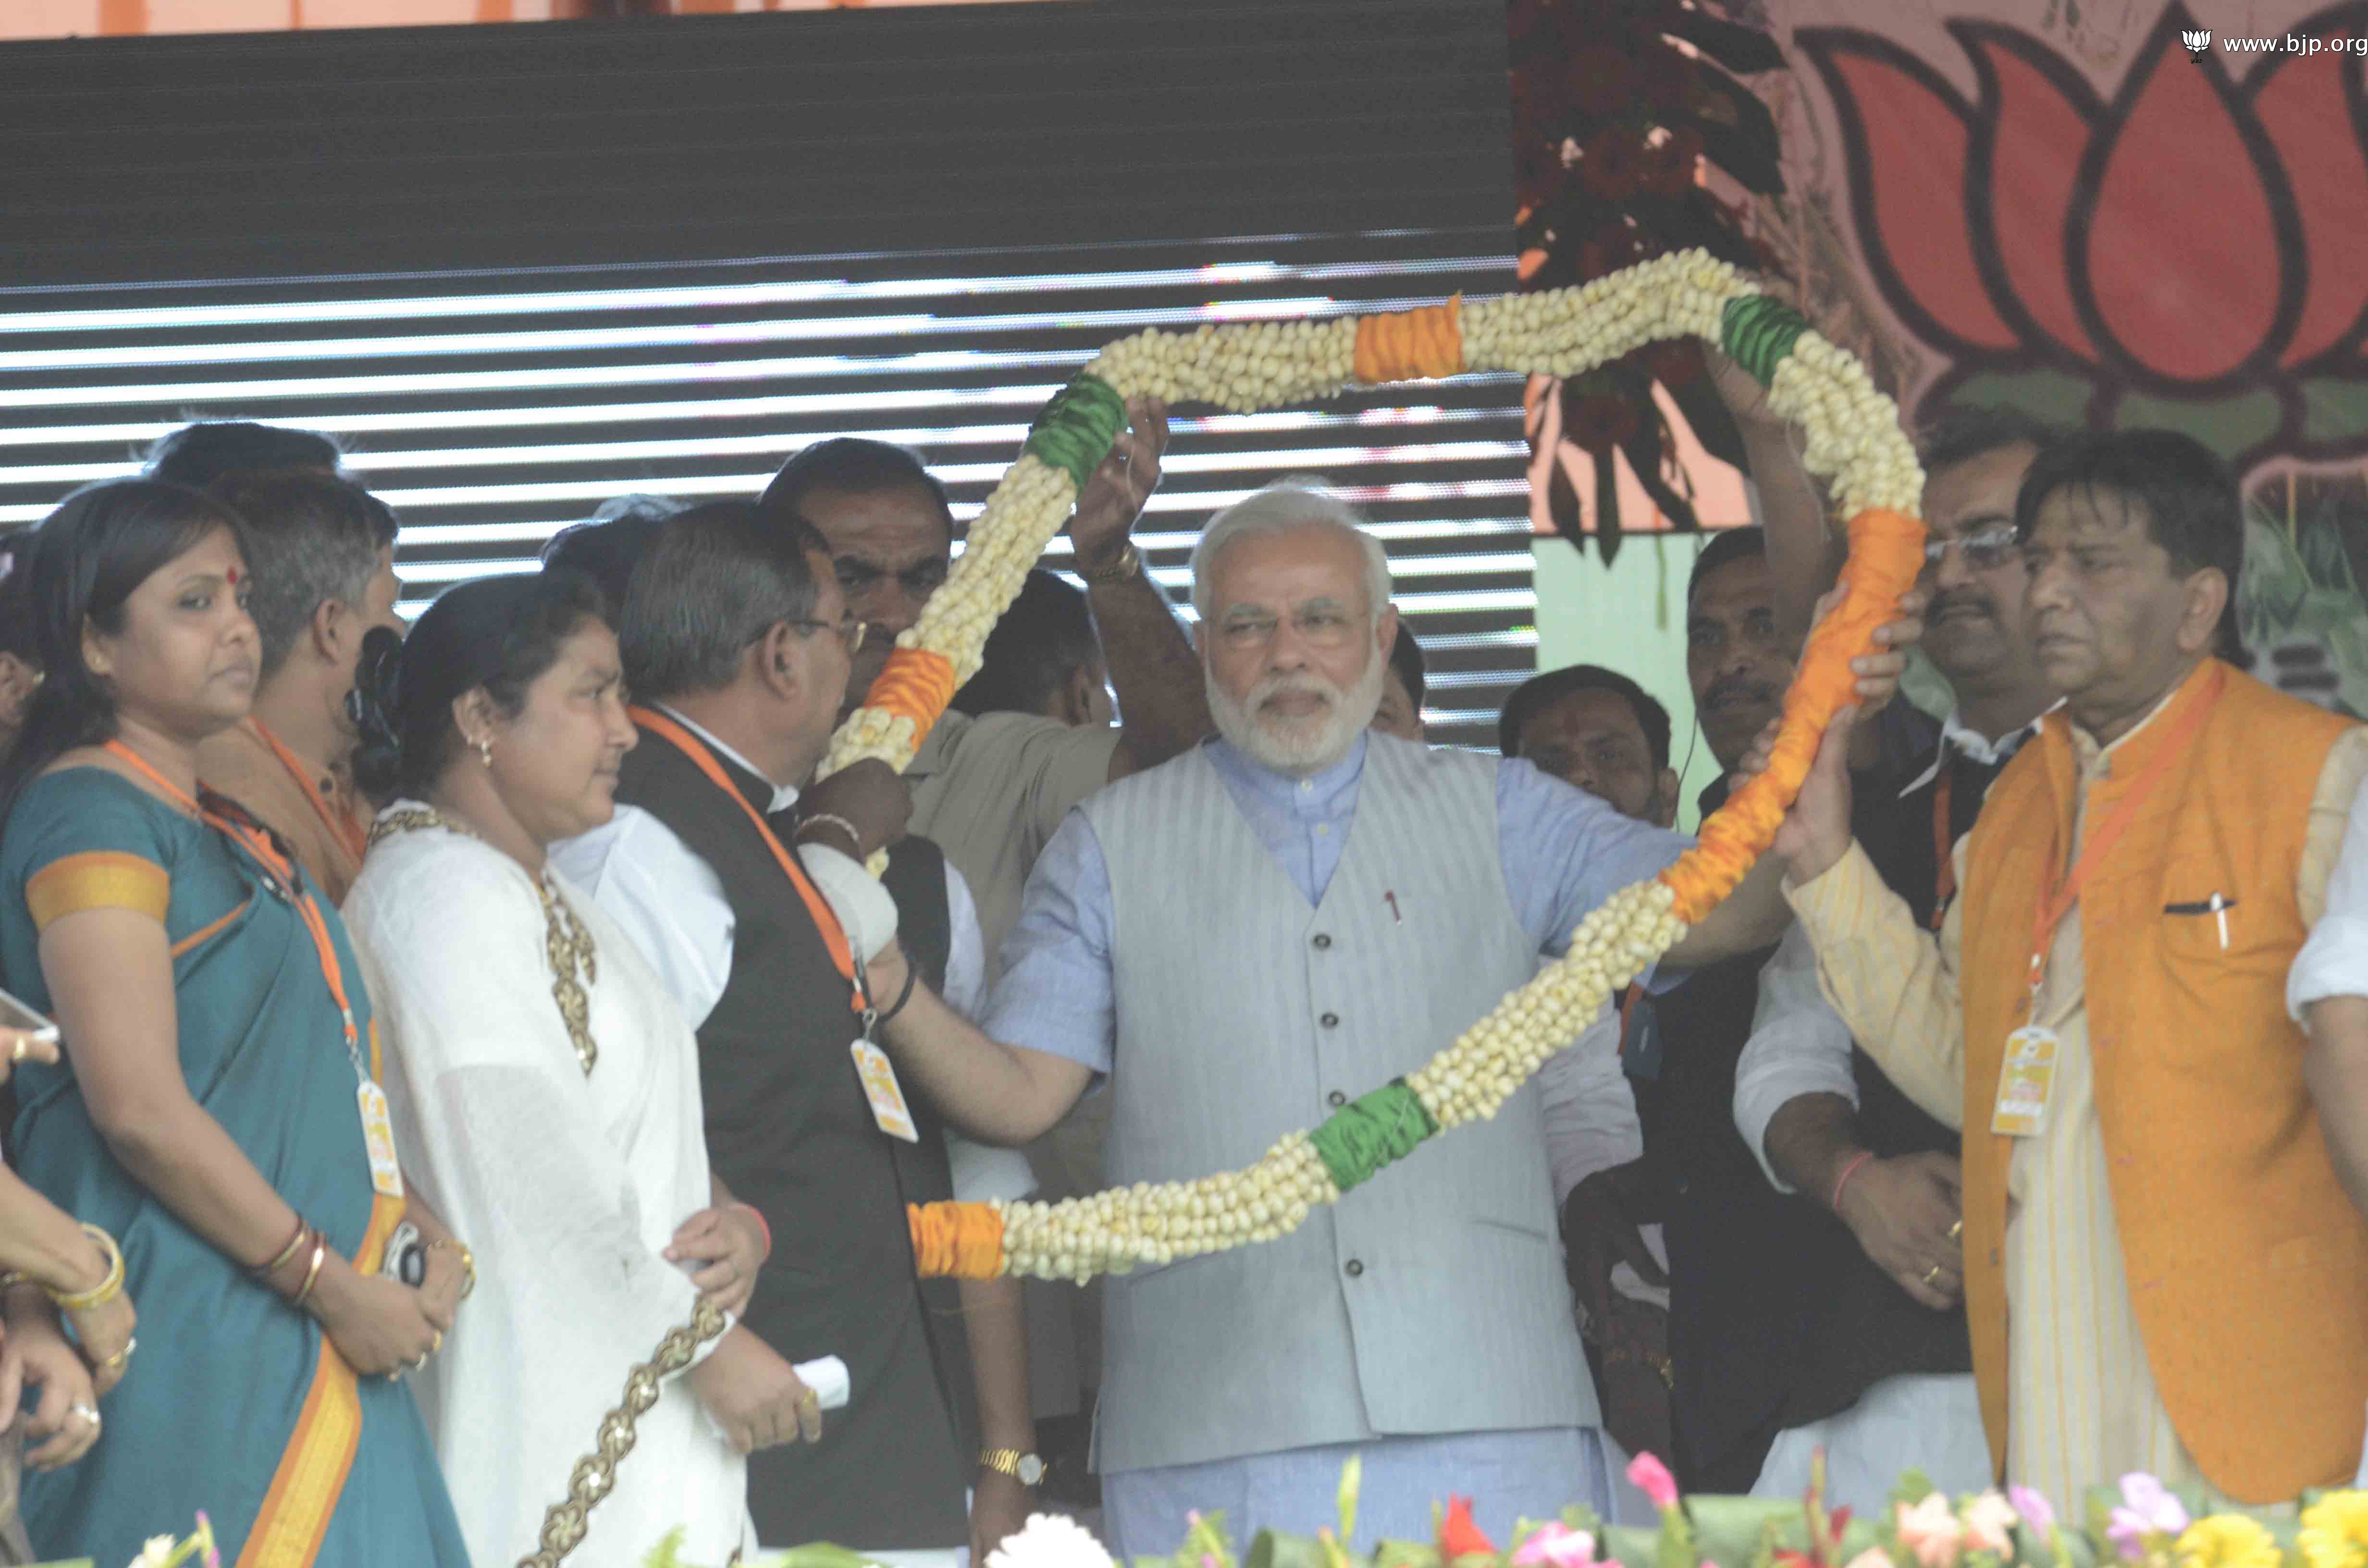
1651,1477
1872,1557
1557,1545
2036,1511
2147,1510
1931,1531
1990,1523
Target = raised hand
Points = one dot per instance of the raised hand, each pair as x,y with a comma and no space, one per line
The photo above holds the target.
1114,496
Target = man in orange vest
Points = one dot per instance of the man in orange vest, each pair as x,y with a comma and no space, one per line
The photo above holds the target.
2162,1271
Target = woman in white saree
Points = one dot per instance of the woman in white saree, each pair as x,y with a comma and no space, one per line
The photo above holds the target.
545,1093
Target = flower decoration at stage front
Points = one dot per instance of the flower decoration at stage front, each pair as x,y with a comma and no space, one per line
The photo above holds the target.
1929,1530
2228,1541
1459,1537
2142,1526
1852,438
1988,1520
2335,1531
1050,1541
1557,1545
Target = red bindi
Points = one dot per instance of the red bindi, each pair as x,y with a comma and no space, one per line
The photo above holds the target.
233,576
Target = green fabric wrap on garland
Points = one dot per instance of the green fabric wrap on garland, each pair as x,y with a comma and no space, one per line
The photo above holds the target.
1758,332
1075,429
1370,1131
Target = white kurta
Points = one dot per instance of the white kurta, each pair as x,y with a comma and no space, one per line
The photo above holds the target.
566,1188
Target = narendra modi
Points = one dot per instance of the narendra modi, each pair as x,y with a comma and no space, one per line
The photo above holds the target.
1243,941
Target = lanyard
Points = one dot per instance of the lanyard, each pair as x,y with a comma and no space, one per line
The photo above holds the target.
308,908
341,825
1944,878
825,918
2054,906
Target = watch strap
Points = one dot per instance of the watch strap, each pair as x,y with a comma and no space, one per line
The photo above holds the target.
1128,563
1014,1463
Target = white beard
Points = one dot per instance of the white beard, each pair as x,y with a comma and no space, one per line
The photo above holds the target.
1298,746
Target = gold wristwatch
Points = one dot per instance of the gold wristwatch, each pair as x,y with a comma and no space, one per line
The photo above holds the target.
1125,564
1025,1469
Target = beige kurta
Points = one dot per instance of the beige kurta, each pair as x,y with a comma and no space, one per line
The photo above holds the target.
2082,1408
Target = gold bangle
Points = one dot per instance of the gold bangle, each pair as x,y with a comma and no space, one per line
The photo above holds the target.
295,1245
468,1263
107,1289
312,1273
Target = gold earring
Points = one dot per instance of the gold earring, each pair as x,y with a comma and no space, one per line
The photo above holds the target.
485,750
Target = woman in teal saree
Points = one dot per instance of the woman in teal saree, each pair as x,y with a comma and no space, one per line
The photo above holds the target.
219,1067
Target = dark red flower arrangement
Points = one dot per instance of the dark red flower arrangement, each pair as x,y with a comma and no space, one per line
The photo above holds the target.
1616,104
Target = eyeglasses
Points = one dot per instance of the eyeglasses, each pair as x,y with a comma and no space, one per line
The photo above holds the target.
850,631
1316,626
1983,552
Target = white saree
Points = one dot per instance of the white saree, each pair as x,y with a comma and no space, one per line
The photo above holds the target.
565,1185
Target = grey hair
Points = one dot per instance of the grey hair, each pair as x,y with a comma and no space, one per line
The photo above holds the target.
718,577
308,538
1288,505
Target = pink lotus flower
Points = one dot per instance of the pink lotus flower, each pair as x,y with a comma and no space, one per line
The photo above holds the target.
1989,1522
1557,1545
2147,1511
1651,1477
2037,1514
1932,1532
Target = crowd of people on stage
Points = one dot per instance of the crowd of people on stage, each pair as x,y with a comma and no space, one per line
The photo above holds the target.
447,1018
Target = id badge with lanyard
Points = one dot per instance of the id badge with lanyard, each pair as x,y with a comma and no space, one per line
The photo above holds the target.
283,879
876,1073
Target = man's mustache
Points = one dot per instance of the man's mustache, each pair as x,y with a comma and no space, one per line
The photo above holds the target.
1962,598
1738,687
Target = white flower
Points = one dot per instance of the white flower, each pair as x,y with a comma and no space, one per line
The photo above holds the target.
158,1552
1050,1541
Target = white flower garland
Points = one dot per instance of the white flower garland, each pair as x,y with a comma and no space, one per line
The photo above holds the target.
1853,441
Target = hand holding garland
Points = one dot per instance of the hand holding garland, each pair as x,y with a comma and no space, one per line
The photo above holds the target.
1852,438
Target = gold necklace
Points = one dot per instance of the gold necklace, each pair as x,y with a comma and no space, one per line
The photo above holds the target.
565,943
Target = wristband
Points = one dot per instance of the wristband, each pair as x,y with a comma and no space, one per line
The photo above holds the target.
1850,1170
911,972
757,1214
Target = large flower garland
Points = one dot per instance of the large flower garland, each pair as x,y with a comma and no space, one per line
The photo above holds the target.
1853,441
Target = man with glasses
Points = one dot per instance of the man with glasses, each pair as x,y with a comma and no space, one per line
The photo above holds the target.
1885,1378
991,787
1243,939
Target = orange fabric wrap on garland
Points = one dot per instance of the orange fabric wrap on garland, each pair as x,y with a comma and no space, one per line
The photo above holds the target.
915,684
962,1241
1886,552
1411,345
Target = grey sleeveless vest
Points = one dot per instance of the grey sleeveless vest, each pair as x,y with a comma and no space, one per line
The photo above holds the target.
1432,1299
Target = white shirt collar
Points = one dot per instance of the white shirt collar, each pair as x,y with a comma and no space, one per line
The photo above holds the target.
784,795
1977,747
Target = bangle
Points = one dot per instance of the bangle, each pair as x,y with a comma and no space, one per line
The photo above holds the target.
1127,563
295,1243
902,996
1850,1170
468,1263
312,1273
758,1214
109,1287
830,819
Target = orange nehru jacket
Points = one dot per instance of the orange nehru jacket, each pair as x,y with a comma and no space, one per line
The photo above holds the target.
2248,1265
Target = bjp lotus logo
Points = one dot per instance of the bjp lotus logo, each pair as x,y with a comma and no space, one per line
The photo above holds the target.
2198,41
2186,252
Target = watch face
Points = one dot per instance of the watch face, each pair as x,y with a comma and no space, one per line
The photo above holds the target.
1031,1470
